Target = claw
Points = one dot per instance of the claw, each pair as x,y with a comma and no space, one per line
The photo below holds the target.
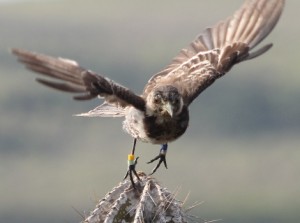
131,169
131,166
161,157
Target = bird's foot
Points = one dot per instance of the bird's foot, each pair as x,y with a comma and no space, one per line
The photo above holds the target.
162,158
131,169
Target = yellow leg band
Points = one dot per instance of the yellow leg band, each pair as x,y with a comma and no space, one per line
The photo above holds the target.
130,157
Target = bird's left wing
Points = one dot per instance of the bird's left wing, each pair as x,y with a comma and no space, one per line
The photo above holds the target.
217,49
84,83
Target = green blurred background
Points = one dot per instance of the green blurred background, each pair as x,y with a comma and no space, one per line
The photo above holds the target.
240,154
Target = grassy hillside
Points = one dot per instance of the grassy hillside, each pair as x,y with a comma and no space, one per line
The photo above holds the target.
240,154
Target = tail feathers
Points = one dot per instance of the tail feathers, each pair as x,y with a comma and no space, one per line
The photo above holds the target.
104,110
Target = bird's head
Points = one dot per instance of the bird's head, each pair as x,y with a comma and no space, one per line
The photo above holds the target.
165,101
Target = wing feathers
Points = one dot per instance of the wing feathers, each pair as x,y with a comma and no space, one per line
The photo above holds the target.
67,87
208,57
219,48
104,110
76,79
258,52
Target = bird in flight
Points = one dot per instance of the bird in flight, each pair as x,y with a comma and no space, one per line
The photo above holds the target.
160,114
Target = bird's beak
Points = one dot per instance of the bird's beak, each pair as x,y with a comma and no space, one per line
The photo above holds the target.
169,108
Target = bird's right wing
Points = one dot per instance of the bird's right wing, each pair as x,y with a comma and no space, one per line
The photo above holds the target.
84,83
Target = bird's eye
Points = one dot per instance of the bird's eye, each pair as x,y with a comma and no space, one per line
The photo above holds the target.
157,98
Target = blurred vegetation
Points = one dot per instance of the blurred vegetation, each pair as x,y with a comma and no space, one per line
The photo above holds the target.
240,154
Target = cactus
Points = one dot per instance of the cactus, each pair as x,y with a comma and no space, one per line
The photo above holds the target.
149,202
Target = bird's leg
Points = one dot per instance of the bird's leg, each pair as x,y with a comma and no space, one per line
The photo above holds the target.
161,157
131,165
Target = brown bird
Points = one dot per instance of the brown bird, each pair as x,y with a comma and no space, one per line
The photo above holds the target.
160,114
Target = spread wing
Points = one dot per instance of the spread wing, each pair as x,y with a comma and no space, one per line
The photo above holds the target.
217,49
84,83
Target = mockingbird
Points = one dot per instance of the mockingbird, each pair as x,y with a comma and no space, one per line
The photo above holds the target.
160,114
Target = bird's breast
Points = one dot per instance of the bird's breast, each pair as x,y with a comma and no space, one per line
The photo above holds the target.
155,129
161,130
